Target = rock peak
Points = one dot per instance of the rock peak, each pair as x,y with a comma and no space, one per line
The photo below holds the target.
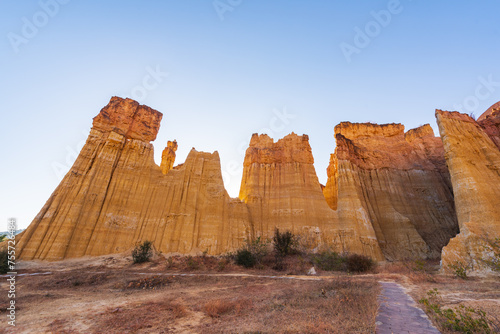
128,118
420,132
291,148
357,130
494,109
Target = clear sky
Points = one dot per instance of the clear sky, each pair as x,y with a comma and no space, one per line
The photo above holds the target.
222,70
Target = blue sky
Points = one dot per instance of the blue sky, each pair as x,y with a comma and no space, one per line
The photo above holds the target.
223,70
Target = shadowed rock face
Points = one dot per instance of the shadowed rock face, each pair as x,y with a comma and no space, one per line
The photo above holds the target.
472,153
396,182
115,195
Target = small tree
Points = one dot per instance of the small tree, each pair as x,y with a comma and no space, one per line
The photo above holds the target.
142,252
284,243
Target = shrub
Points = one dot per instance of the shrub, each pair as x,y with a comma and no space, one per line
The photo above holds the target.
329,261
459,269
192,263
461,319
245,258
252,253
359,263
215,308
221,265
332,261
284,243
4,261
142,252
259,248
494,259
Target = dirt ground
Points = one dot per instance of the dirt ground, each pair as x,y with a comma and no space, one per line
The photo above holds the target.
109,294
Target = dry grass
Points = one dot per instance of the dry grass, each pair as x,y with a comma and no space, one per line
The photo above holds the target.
126,301
416,271
153,317
479,293
119,298
217,307
346,305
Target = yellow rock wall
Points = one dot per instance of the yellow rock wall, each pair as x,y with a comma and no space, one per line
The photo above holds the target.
281,189
473,159
115,196
388,193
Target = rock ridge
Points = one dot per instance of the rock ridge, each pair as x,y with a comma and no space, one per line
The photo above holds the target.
473,157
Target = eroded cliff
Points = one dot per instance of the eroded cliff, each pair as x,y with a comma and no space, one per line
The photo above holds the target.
388,193
397,183
281,189
472,152
115,196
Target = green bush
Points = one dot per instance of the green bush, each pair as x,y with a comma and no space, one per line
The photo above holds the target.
329,261
143,252
259,248
192,263
461,319
359,263
245,258
332,261
252,253
459,269
284,243
4,262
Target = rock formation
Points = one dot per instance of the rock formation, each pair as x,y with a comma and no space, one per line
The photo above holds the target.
397,183
115,196
472,150
168,156
388,193
281,189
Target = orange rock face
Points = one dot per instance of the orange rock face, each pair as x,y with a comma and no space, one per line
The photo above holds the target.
397,183
388,193
129,119
115,196
473,157
281,189
168,157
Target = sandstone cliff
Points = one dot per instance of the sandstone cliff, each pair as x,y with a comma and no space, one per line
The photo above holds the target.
472,153
397,183
388,193
115,196
281,189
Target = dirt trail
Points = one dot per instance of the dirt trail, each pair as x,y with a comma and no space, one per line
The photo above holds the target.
398,313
